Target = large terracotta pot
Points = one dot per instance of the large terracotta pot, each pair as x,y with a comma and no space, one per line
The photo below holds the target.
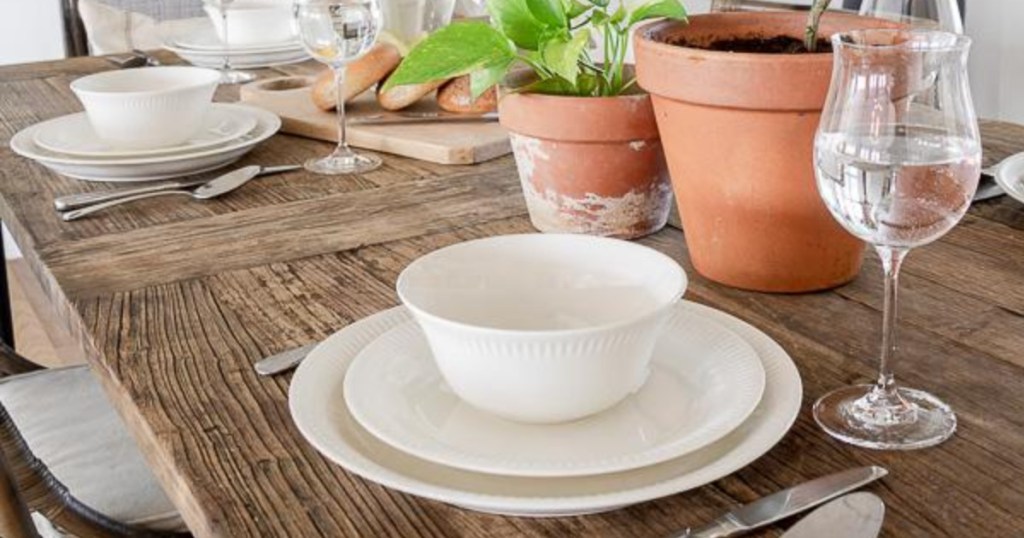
590,165
738,130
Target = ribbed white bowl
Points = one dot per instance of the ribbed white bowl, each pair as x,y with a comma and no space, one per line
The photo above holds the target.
146,108
542,328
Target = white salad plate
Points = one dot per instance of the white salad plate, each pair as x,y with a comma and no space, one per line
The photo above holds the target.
704,381
152,167
73,135
182,36
317,403
1010,176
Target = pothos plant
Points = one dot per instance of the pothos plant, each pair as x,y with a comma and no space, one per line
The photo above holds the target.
813,21
551,37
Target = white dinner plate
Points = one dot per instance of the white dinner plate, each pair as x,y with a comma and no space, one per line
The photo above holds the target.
704,381
204,39
1010,176
316,401
73,135
153,167
244,57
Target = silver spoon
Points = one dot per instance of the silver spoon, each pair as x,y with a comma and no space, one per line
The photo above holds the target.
211,189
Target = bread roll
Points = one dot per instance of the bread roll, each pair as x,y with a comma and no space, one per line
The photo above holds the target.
455,96
360,75
400,97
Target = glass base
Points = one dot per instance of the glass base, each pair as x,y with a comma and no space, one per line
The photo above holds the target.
232,76
344,162
866,416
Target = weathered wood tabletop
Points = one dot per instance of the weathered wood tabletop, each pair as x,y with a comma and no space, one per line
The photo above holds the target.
174,300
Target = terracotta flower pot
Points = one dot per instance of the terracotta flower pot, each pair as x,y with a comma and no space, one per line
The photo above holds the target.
738,130
589,165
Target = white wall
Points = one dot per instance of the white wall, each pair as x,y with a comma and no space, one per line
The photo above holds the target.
997,57
30,31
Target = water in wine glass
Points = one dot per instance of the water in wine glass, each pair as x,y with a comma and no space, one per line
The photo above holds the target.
901,190
336,33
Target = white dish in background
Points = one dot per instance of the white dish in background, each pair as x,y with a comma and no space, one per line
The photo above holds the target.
73,135
252,22
1010,176
705,381
148,107
153,167
179,35
316,401
542,328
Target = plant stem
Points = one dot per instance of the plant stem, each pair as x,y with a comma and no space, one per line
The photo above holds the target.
813,20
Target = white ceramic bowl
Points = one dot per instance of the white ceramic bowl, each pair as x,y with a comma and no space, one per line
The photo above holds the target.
542,328
149,107
254,22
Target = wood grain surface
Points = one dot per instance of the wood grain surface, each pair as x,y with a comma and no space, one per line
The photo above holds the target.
174,300
447,143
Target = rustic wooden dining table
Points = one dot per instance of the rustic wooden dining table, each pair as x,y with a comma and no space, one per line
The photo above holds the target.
174,300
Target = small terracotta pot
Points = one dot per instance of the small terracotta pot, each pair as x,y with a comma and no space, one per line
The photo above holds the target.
589,165
739,132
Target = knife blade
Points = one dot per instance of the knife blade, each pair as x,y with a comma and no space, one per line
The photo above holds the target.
857,515
786,503
419,117
283,361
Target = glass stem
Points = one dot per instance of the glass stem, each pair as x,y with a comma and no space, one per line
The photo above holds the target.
339,88
892,260
226,65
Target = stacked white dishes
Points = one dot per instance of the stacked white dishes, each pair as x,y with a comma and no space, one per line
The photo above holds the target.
260,35
146,124
613,391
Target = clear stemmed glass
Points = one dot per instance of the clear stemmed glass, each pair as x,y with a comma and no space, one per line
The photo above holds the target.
897,158
918,14
336,32
228,75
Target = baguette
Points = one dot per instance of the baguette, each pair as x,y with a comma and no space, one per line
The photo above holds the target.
455,96
400,97
360,76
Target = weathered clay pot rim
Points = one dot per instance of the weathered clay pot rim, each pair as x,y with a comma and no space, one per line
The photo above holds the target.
632,113
737,79
645,38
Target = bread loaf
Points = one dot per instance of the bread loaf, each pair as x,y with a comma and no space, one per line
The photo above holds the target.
455,96
360,75
399,97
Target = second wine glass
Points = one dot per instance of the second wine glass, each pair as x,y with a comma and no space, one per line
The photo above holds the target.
336,32
228,74
897,159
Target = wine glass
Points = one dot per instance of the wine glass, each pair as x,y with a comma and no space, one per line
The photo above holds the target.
897,159
923,14
228,75
336,32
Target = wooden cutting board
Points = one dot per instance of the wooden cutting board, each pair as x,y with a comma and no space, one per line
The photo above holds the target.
445,143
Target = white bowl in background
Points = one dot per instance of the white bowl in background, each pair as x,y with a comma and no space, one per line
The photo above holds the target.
148,107
542,328
254,22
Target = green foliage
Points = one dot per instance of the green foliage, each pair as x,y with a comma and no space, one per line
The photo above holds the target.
551,37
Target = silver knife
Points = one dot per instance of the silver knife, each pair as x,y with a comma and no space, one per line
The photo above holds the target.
82,199
857,515
786,503
419,117
284,361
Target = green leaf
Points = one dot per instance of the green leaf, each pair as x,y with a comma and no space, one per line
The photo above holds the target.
515,19
482,80
454,50
549,12
575,8
672,9
549,86
562,55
